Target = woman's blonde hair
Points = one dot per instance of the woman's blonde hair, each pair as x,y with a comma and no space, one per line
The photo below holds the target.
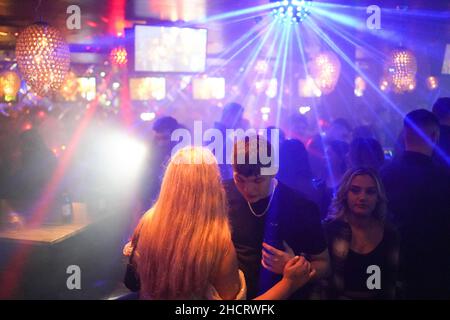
183,238
339,207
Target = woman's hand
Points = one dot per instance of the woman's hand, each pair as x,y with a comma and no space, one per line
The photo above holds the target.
297,272
127,249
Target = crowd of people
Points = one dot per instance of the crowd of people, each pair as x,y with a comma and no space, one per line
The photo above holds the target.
342,218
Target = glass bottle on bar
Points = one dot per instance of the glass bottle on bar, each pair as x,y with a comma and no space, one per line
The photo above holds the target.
67,208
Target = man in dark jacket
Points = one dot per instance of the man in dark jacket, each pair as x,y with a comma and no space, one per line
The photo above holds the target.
442,111
419,203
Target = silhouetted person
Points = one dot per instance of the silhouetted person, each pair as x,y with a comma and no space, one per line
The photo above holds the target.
366,153
316,151
231,118
281,134
160,151
419,203
339,130
442,111
36,168
336,157
365,132
295,171
9,154
298,127
338,136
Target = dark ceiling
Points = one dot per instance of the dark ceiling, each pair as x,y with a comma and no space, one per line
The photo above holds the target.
97,15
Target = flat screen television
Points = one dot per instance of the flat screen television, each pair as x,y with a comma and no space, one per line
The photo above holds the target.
169,49
148,88
208,88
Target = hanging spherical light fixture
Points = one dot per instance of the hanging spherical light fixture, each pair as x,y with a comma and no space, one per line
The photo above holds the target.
291,11
325,69
9,84
43,57
401,69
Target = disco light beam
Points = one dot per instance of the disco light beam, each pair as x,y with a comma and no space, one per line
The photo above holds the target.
315,112
440,15
249,62
267,30
341,18
268,60
277,59
334,6
238,19
283,75
345,57
350,38
227,15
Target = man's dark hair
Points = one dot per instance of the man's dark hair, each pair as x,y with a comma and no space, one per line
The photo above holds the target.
441,108
296,119
341,148
343,123
232,113
364,132
247,149
366,153
165,124
294,161
420,119
231,110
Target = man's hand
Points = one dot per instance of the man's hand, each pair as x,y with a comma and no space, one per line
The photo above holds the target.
275,260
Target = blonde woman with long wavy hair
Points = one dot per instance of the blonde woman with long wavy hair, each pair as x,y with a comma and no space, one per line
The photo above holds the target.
183,243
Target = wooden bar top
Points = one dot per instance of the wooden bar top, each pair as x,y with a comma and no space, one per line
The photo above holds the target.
43,235
48,234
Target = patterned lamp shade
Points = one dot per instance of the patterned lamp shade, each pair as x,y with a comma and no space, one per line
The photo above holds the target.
401,69
118,56
43,58
325,69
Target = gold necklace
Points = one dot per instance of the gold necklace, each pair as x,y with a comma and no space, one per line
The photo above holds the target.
268,205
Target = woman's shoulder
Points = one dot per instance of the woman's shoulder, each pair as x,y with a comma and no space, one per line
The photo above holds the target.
213,294
335,224
336,229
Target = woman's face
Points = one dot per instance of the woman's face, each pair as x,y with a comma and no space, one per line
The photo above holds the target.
362,196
